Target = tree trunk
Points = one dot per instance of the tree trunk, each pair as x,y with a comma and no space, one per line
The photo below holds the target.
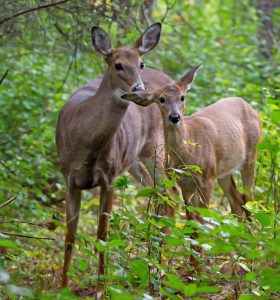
265,31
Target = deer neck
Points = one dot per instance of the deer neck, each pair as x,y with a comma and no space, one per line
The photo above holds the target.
175,137
106,111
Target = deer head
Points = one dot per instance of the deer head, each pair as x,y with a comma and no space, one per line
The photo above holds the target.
170,98
125,64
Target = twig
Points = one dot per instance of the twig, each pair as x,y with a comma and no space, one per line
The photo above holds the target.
13,136
168,8
23,12
8,168
8,201
28,236
68,70
4,76
21,222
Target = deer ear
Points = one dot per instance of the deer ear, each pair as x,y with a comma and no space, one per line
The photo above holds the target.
140,98
101,40
187,80
149,39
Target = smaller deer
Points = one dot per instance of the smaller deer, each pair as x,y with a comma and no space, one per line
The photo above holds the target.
220,139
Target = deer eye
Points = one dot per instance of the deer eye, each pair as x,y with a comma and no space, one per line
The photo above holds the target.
161,99
142,66
182,98
119,67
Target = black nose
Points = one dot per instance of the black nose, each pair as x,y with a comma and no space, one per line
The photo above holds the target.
174,118
138,87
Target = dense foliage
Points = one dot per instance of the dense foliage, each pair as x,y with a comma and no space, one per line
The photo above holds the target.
48,55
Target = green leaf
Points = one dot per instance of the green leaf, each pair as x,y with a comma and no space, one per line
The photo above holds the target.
246,297
121,182
275,116
208,289
117,243
250,276
263,218
271,279
168,183
174,282
140,269
8,244
147,192
118,294
190,289
100,245
173,241
83,265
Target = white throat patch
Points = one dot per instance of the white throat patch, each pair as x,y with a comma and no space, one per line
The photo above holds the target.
117,93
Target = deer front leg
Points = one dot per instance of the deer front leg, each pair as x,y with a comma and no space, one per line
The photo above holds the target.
196,193
73,203
106,203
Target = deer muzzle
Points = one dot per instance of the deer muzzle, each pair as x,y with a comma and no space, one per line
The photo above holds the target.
174,118
138,87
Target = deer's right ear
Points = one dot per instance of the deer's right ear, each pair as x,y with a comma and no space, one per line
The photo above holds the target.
149,39
101,40
140,98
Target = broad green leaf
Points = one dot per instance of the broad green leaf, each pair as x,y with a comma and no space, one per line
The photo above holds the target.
246,297
275,116
263,218
100,245
8,244
190,289
83,264
116,243
147,192
250,276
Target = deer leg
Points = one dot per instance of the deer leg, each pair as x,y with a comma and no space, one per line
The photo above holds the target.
247,175
236,199
73,202
106,203
140,173
198,195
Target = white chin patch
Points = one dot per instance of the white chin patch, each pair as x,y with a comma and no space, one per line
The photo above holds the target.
174,124
117,97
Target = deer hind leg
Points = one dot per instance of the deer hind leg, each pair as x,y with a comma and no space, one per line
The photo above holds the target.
73,203
140,173
106,203
247,174
236,199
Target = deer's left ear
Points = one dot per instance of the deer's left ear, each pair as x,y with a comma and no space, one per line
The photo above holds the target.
187,80
141,98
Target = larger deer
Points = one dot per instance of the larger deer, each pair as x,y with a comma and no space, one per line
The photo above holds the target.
100,135
220,138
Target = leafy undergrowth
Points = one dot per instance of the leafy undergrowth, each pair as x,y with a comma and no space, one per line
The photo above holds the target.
239,260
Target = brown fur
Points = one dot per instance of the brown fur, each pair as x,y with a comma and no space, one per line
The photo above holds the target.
99,135
220,139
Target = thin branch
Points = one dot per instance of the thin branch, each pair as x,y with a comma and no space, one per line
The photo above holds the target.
4,76
68,70
23,12
21,222
8,201
28,236
8,168
168,8
13,136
